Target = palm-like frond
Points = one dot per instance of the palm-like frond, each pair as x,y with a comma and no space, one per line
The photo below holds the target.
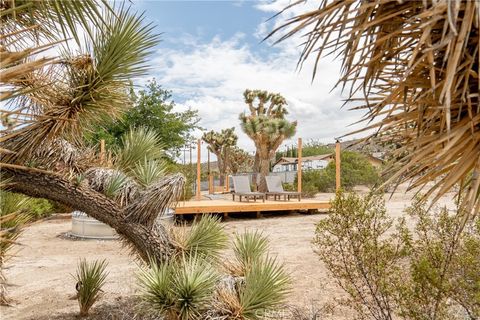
64,107
90,279
149,172
52,20
30,27
206,238
14,215
138,145
417,65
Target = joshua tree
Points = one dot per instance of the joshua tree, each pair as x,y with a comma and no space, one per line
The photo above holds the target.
53,102
239,160
220,143
416,63
266,126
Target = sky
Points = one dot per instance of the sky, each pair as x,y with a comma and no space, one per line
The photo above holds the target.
211,51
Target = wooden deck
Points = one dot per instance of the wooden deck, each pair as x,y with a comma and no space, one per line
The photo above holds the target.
228,206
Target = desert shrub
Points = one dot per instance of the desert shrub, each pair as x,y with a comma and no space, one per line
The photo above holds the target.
354,170
42,207
36,207
309,190
389,271
289,186
90,279
249,247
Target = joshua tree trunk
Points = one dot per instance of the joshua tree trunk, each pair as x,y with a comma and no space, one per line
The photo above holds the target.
264,171
264,156
147,240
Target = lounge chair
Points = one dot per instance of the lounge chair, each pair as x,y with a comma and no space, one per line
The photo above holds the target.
241,185
275,189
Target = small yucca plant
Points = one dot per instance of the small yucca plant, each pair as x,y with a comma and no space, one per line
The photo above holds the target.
182,289
266,286
90,279
247,248
261,284
206,238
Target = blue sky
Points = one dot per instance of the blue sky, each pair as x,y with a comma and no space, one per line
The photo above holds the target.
211,51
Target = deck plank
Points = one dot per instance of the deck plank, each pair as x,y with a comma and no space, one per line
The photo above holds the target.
226,206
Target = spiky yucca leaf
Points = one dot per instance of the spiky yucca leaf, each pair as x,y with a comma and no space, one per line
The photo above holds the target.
266,286
90,279
149,172
249,247
115,184
156,288
417,65
138,145
206,238
62,107
194,284
181,289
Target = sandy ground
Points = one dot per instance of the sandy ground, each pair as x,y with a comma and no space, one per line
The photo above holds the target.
41,272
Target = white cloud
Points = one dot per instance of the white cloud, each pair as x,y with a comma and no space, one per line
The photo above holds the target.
212,76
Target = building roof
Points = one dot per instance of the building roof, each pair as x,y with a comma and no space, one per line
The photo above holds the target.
291,160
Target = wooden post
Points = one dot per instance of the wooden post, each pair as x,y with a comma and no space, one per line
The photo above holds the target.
299,165
102,151
199,163
209,173
337,166
227,183
211,187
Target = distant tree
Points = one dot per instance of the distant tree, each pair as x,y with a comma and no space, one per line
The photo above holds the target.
311,148
220,143
153,110
239,160
266,126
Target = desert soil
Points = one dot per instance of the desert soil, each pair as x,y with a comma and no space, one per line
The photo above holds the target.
42,282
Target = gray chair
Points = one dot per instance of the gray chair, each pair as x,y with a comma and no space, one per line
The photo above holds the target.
241,185
275,189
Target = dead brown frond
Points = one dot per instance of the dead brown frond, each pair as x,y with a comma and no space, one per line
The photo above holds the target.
114,184
416,63
156,199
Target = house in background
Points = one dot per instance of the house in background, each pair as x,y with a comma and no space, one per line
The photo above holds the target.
288,164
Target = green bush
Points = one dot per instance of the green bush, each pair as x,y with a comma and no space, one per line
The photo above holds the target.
430,271
41,208
289,186
36,207
355,170
309,190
